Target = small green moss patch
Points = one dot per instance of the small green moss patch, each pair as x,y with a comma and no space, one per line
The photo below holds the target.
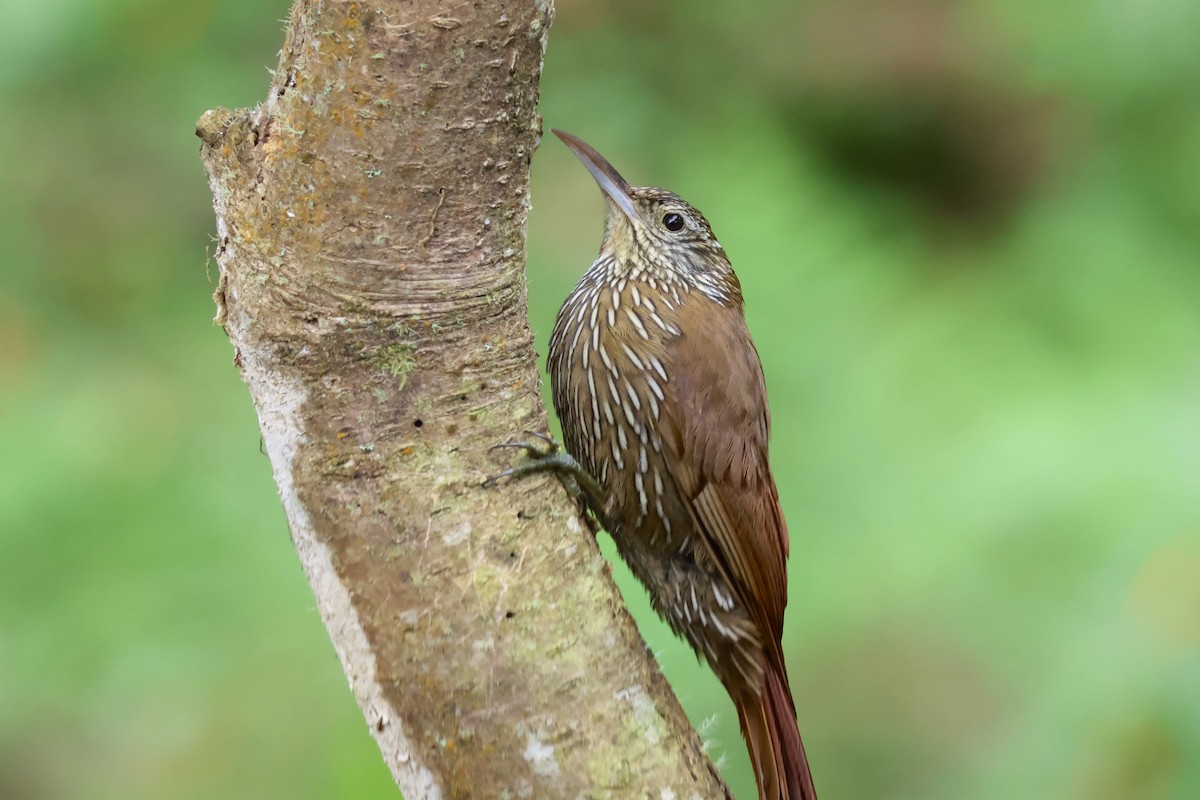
397,360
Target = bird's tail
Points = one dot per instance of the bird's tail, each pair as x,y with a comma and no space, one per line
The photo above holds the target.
769,727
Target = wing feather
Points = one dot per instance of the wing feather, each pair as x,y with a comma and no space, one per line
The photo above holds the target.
718,427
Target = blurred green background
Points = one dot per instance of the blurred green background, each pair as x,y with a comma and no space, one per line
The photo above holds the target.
969,235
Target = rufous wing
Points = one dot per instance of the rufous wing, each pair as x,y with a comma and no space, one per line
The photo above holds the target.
715,420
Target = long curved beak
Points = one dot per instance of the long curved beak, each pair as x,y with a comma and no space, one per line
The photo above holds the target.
611,182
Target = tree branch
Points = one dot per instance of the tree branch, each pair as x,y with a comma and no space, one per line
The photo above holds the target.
371,220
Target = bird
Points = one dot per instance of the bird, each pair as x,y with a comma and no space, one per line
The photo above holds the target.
662,400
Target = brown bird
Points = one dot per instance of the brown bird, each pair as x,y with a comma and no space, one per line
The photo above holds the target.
664,415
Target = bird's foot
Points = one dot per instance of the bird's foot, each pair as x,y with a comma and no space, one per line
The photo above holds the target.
547,455
544,456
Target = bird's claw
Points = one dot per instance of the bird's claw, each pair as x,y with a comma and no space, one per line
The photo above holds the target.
549,456
547,448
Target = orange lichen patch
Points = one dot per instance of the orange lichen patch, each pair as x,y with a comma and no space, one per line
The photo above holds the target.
271,146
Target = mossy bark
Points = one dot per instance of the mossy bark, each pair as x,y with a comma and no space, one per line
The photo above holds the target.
371,222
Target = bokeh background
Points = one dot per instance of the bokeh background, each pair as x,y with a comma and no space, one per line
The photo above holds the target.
969,234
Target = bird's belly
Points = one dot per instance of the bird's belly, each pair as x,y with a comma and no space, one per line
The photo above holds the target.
609,383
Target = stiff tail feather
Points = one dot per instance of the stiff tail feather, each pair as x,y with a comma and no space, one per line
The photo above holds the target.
773,738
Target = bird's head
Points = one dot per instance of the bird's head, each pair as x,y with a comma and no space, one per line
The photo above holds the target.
651,228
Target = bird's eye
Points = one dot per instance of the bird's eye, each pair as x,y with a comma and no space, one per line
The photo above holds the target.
672,221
